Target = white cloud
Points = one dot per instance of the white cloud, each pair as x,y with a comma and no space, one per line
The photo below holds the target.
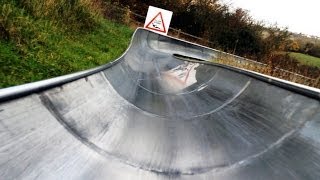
298,16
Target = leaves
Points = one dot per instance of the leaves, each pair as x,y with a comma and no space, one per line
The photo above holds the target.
39,48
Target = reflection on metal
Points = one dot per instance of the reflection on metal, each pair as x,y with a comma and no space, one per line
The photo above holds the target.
151,115
180,77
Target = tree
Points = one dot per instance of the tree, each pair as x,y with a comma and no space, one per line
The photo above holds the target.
232,31
293,46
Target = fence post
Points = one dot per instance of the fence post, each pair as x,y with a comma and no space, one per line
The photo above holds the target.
179,31
317,82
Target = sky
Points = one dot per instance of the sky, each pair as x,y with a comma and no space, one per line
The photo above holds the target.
300,16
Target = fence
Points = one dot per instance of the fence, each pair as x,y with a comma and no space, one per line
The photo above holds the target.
136,20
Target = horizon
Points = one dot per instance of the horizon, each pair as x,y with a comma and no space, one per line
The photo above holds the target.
298,18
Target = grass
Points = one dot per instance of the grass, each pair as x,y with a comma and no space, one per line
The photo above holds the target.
43,39
306,59
33,48
268,70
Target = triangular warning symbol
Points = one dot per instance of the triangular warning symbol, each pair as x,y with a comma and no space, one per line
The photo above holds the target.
157,24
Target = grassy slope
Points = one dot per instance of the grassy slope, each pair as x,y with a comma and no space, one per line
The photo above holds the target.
44,50
306,59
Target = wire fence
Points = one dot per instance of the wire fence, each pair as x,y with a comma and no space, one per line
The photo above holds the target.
135,20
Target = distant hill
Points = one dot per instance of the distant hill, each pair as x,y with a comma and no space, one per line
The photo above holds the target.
304,39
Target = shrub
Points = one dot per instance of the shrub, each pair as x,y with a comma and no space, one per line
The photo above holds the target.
77,14
116,12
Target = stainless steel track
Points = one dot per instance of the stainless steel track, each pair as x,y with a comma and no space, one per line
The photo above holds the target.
152,115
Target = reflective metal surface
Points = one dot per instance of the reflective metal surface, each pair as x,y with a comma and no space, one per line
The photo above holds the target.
153,116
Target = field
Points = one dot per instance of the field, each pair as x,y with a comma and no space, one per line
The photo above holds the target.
306,59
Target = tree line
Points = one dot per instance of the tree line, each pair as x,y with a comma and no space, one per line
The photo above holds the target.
232,31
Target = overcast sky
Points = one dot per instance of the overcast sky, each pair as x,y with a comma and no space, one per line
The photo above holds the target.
298,15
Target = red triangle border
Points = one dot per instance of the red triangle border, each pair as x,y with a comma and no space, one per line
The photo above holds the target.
164,28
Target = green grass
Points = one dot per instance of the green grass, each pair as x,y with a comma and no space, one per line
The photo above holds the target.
306,59
39,48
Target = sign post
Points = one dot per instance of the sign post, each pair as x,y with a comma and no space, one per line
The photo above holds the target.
158,20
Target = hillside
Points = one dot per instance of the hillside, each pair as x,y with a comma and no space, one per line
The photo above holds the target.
35,46
306,59
44,39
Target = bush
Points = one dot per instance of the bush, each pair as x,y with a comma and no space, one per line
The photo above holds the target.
284,61
116,12
14,25
314,51
77,14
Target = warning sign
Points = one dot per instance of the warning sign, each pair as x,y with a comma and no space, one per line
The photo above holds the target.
157,23
158,20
